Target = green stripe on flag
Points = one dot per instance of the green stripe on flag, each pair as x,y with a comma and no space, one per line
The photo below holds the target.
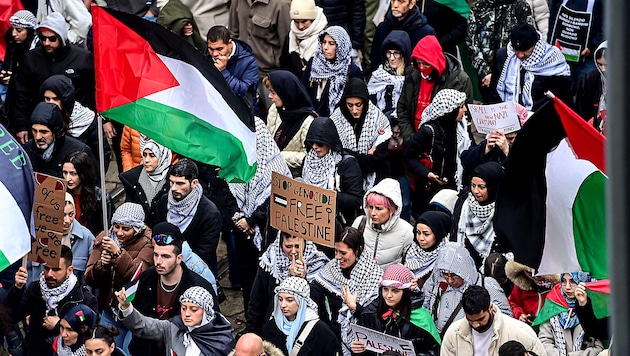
548,311
188,135
4,261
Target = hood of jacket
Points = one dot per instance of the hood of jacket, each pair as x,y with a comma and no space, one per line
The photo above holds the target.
56,23
456,259
323,130
429,50
399,40
517,273
291,91
63,88
602,47
390,188
492,174
355,88
49,115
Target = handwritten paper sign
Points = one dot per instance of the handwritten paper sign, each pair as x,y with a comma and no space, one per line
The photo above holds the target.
488,118
378,342
303,210
50,197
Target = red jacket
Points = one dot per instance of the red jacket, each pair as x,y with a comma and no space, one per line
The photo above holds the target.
526,302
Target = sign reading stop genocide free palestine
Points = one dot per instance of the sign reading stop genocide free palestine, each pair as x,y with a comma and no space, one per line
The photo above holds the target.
303,210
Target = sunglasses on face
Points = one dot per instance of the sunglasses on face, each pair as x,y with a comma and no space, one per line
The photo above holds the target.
43,38
163,239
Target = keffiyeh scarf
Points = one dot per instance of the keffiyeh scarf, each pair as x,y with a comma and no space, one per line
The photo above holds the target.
320,171
153,182
335,71
306,42
475,224
63,350
52,296
421,262
545,61
251,195
180,213
364,279
377,86
560,341
80,119
276,262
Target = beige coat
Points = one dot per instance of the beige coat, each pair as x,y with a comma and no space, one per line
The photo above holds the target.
540,13
546,337
458,339
295,151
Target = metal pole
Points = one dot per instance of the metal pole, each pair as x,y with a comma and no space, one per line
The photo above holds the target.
617,29
101,160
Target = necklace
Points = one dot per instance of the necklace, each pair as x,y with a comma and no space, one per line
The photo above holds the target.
169,290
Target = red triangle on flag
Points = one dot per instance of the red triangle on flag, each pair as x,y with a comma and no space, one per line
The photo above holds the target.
127,68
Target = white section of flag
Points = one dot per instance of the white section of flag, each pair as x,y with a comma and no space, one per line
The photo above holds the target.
16,236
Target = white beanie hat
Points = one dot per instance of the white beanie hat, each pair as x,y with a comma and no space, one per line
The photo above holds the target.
303,10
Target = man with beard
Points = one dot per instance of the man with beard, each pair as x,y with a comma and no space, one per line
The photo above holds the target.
160,287
196,216
50,145
45,300
485,329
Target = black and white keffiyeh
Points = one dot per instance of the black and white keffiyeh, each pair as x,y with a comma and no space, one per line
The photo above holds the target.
378,83
23,18
80,119
180,213
475,224
276,262
559,339
52,296
364,279
63,350
251,195
421,262
320,171
335,71
546,61
444,102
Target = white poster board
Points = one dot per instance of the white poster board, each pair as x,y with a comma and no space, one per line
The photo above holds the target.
378,342
501,116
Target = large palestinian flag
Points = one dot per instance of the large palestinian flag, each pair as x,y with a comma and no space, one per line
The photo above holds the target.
151,79
550,208
17,196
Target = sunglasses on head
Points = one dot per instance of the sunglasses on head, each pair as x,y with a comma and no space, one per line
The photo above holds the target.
43,38
163,239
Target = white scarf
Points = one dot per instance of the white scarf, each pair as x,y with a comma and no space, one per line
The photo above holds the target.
306,42
52,296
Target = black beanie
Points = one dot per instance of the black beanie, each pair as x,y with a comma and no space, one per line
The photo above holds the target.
523,36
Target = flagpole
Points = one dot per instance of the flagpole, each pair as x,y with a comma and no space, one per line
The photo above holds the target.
101,163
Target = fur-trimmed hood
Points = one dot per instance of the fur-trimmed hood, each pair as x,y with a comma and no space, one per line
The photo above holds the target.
516,273
270,350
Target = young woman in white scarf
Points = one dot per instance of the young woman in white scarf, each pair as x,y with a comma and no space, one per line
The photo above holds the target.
330,68
148,182
345,284
74,321
308,21
250,211
326,166
474,211
197,330
295,318
279,262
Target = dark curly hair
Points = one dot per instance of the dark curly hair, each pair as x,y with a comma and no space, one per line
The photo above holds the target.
87,190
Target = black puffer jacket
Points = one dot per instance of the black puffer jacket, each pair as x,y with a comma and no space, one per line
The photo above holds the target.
320,341
349,14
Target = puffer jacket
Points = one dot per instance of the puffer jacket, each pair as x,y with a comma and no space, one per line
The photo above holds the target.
395,236
130,148
540,12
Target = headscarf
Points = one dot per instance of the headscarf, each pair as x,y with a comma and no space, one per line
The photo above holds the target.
305,42
129,214
70,199
419,260
201,297
276,262
24,19
77,316
163,154
321,171
568,319
297,105
445,102
307,308
336,71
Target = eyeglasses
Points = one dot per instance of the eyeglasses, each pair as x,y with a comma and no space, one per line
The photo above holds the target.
449,275
394,54
163,239
351,105
43,38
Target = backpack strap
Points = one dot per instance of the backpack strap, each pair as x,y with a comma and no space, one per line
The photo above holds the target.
299,342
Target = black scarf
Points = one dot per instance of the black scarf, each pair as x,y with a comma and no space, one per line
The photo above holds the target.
297,105
213,338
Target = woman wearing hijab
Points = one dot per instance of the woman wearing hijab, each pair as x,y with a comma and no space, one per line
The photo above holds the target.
394,314
328,72
474,212
562,334
431,153
73,323
295,327
117,257
289,117
431,233
327,166
279,262
147,183
197,330
348,282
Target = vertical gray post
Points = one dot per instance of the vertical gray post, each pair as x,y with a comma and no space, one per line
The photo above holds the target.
617,29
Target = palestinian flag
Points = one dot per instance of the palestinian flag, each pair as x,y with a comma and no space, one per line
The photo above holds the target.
17,197
7,9
421,318
151,79
550,208
556,303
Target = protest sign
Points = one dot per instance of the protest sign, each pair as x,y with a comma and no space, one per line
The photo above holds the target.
378,342
303,210
570,33
501,116
50,198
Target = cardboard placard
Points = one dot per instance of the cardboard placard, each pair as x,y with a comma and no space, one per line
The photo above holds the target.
378,342
501,116
50,198
303,210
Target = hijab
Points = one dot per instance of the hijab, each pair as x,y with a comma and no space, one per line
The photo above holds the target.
419,260
307,308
